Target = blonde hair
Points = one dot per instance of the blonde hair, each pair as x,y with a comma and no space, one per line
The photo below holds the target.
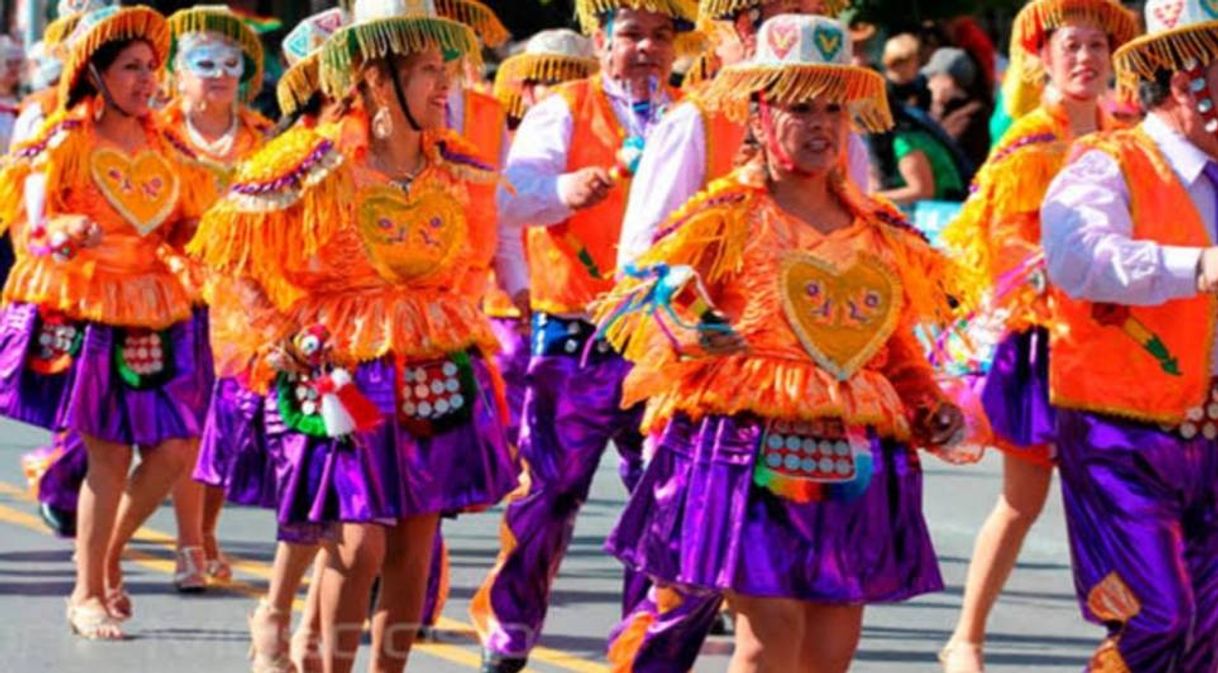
900,49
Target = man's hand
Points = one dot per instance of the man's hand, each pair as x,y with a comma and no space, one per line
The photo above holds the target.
1207,271
945,425
83,231
585,188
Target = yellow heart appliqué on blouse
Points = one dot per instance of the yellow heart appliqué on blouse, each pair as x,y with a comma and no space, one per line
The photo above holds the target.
143,189
411,236
843,315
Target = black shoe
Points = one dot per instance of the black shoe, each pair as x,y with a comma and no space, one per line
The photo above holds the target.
62,521
497,663
428,634
722,626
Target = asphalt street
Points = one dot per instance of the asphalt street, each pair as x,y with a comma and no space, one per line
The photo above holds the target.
1036,626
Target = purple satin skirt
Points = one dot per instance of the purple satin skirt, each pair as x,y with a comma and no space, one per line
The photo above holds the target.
698,519
91,398
513,363
59,485
387,473
1016,395
232,453
1142,512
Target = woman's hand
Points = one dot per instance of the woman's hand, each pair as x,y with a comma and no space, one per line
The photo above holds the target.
941,427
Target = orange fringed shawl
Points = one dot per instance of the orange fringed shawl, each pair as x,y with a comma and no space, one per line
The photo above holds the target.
297,222
142,204
738,240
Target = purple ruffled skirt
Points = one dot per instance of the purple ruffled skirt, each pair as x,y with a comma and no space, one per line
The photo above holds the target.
698,519
233,453
1016,396
387,473
90,397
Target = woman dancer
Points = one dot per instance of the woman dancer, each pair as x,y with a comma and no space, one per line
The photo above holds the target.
384,412
785,472
1064,47
99,335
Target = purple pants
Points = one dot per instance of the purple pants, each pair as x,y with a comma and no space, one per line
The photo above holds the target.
571,413
1142,511
59,484
513,363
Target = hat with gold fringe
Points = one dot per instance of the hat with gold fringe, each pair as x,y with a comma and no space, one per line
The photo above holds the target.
1180,35
221,21
478,16
591,12
719,10
550,57
110,24
302,51
1021,88
382,28
801,58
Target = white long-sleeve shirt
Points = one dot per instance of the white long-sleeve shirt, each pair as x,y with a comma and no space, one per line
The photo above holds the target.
1087,230
673,170
537,163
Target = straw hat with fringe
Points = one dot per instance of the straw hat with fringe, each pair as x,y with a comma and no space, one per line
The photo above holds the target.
478,16
302,53
801,58
110,24
1180,35
590,12
550,57
382,28
1026,77
721,10
220,20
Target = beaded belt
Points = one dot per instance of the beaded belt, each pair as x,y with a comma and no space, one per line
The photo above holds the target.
808,461
57,341
436,395
554,336
143,357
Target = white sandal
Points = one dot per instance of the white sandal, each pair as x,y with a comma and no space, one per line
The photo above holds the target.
188,575
958,657
269,662
93,621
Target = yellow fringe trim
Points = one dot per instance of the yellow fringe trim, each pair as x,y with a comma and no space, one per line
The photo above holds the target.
478,16
58,30
1041,16
1012,184
125,24
544,68
1172,50
717,10
590,11
223,22
860,90
12,193
349,48
298,84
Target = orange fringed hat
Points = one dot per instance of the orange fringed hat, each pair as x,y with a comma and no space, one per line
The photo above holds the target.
110,24
221,21
684,12
1180,34
478,16
550,57
800,58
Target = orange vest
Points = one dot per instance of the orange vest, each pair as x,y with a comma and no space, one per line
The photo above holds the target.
1149,363
571,263
723,139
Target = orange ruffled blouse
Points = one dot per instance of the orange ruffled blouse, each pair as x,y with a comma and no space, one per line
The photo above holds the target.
998,230
335,243
143,204
828,318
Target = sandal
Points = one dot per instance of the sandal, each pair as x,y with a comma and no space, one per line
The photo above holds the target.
274,659
188,575
219,570
306,651
959,657
118,603
92,621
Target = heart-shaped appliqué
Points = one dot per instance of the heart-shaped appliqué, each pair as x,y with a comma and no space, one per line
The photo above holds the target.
411,236
843,315
783,36
828,41
143,189
1168,12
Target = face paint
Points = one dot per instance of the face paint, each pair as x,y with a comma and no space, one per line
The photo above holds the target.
212,60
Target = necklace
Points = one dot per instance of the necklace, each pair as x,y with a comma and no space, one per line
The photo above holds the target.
220,147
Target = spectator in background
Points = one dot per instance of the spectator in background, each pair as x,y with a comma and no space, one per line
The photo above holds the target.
12,62
917,160
901,60
960,100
